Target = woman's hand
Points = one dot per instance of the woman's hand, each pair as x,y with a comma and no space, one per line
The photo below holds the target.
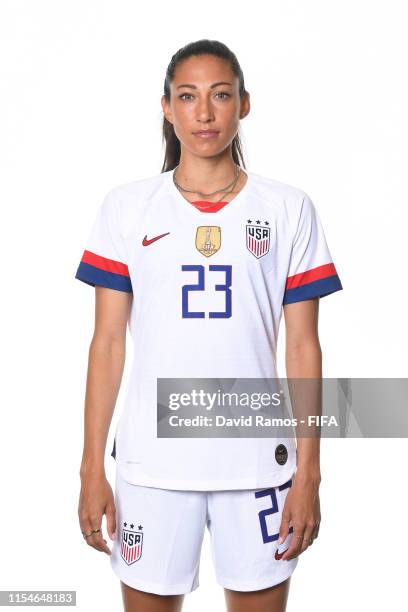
302,509
95,500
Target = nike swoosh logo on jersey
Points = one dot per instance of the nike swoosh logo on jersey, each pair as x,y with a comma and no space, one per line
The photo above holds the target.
279,555
147,241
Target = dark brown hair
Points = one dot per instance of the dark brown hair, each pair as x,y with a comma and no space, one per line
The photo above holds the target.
200,47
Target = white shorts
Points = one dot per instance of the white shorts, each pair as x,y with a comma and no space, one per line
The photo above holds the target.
160,533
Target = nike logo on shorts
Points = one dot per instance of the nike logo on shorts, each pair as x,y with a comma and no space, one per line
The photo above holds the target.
279,555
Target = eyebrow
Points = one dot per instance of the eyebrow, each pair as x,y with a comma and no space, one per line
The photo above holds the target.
211,86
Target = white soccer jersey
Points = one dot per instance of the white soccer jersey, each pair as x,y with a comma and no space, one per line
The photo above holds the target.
208,287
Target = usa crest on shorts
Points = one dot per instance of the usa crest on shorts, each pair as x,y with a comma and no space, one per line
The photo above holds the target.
258,238
131,544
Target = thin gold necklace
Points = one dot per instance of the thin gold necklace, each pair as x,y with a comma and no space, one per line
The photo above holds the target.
224,189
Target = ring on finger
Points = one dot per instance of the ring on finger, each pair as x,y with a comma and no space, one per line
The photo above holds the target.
86,535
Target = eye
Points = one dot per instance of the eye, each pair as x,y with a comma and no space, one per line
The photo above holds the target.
220,93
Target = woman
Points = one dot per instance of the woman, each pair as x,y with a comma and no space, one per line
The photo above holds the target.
201,259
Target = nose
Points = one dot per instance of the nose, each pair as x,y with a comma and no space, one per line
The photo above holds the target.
204,110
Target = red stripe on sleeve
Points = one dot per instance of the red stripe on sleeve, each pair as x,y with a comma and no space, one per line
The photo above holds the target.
103,263
302,278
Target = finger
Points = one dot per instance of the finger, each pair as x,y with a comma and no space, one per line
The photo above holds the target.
307,537
89,532
111,520
315,533
85,525
97,541
295,545
284,528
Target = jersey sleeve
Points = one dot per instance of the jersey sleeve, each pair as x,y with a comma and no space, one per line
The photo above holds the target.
311,270
104,260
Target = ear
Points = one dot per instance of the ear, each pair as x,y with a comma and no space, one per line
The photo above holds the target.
166,109
245,106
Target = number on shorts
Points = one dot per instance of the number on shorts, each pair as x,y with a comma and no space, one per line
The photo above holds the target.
271,492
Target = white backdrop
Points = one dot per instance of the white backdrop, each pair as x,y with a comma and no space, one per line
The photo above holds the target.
81,82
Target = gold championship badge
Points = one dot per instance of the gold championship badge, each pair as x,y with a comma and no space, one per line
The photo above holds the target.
208,239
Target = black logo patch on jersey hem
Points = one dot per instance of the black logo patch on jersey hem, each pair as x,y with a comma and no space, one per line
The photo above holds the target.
281,454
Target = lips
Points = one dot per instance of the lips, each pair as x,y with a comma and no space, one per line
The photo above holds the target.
206,134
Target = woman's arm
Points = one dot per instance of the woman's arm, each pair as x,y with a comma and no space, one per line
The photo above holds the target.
303,361
105,368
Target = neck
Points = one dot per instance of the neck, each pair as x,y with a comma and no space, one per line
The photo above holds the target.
205,174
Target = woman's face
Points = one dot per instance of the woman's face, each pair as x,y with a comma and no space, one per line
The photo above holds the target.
204,95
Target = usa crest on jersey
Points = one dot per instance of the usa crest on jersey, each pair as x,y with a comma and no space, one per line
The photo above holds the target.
258,239
131,546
